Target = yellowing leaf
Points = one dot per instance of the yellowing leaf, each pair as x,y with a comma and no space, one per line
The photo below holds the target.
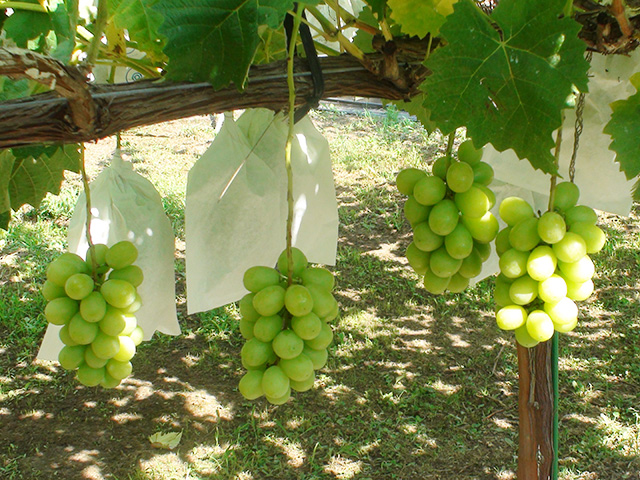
167,441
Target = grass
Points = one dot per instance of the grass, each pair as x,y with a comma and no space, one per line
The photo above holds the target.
417,386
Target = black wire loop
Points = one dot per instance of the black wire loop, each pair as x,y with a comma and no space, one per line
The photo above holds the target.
312,59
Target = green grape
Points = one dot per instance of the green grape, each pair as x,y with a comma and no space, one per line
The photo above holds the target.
317,357
539,326
306,384
471,266
99,252
579,291
307,327
473,203
323,301
78,286
287,344
105,346
131,273
501,292
483,229
246,328
118,293
323,340
275,382
121,255
425,239
109,382
581,213
579,271
127,349
488,193
594,238
63,333
443,217
482,173
269,301
320,277
552,289
460,177
571,248
298,368
266,328
298,300
131,324
93,360
442,264
137,335
119,370
93,307
81,331
541,263
134,306
407,179
435,284
60,310
429,190
523,290
418,260
523,337
457,283
513,210
502,241
483,249
71,356
246,307
113,322
562,312
467,153
333,314
511,317
551,227
566,196
279,400
440,167
299,259
51,291
459,243
513,263
414,212
524,235
259,277
61,269
566,327
250,385
90,377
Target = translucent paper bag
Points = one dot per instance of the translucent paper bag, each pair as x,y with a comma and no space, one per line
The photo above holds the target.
126,206
236,206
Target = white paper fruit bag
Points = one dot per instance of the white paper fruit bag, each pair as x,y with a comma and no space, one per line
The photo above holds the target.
237,209
126,206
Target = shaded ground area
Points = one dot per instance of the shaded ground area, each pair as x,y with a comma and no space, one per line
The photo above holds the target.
417,386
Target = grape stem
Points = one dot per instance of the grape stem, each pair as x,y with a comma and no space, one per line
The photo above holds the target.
554,178
450,141
287,149
101,23
87,197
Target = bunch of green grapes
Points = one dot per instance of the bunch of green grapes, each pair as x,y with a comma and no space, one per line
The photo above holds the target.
545,265
96,311
286,327
449,212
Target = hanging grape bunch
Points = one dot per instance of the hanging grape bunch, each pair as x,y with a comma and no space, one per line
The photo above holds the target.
96,311
450,218
545,265
286,327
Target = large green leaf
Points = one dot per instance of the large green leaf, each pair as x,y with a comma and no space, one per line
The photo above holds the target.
65,38
378,7
215,40
624,128
417,17
6,169
25,25
507,77
142,22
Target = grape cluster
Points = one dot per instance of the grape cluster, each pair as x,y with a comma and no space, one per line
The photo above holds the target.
545,265
96,311
449,212
286,327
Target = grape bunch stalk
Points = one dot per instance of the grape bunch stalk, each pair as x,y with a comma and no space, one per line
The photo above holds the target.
449,213
545,265
95,301
286,327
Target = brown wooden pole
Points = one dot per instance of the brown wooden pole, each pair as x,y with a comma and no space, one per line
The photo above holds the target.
544,409
527,463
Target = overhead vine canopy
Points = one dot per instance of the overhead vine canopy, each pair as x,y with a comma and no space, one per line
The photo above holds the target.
504,70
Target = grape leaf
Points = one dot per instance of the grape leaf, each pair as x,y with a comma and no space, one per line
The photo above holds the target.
507,77
416,107
417,17
25,25
272,11
141,21
6,167
624,128
378,7
65,38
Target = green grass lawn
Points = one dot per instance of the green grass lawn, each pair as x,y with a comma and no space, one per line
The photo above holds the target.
417,386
